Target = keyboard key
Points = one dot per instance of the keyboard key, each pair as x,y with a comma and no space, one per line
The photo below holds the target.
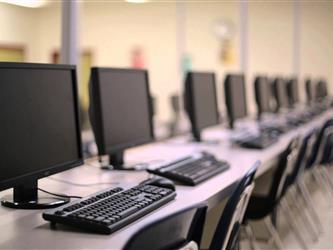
128,211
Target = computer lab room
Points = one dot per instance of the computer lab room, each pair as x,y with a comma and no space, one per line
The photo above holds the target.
166,124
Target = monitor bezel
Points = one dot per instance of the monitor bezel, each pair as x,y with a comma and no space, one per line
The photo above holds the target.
15,181
276,89
191,100
258,94
98,111
310,90
293,97
228,97
321,83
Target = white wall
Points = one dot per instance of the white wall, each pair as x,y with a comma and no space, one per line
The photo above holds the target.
270,42
111,30
38,30
317,40
204,45
17,26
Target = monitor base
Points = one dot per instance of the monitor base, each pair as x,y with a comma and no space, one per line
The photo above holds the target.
138,167
40,203
116,162
25,196
206,142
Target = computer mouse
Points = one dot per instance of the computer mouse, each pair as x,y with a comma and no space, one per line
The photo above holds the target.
160,182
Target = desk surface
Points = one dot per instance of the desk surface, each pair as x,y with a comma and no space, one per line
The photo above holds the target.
24,229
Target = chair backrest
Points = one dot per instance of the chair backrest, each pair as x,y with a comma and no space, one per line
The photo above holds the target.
327,152
171,232
318,148
304,153
227,230
285,163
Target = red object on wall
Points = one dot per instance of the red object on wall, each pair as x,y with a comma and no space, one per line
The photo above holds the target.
137,58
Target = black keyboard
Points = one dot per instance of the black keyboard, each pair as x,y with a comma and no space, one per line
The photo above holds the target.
107,211
277,129
192,170
261,141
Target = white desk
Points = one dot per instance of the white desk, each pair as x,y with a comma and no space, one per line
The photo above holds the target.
27,230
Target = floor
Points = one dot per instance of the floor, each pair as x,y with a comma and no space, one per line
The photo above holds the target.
324,206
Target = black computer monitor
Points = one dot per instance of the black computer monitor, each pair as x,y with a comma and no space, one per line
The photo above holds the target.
175,104
120,111
39,129
235,97
173,125
321,90
292,91
310,90
280,94
200,101
153,104
263,95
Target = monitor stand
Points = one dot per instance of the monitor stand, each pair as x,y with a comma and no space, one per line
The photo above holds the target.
26,197
231,123
197,138
116,162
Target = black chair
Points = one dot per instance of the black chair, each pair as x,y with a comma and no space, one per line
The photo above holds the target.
318,150
175,231
320,157
304,154
326,159
226,235
264,206
295,186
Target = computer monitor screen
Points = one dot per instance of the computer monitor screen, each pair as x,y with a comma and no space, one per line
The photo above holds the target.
121,112
280,93
263,94
200,95
310,90
39,128
235,97
321,90
175,104
293,93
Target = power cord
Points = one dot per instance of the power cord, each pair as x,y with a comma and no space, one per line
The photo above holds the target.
132,166
60,195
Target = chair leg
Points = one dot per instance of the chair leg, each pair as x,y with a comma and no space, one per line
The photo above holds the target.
251,237
310,205
326,175
272,231
320,180
292,223
306,218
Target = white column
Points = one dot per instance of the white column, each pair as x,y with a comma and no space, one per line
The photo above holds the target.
296,38
69,41
243,36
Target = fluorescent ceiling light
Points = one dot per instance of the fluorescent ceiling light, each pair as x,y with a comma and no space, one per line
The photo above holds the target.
26,3
137,1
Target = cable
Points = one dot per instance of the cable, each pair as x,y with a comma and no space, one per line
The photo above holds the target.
59,195
131,166
92,164
84,185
